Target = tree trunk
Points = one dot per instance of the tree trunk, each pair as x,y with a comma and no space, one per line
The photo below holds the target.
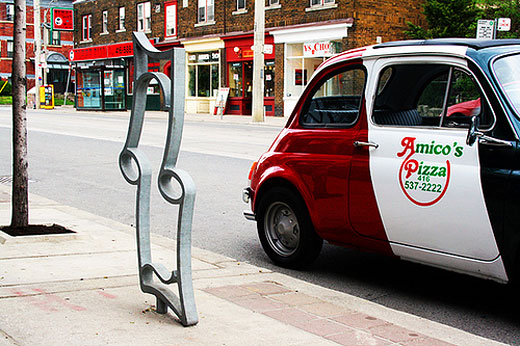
20,193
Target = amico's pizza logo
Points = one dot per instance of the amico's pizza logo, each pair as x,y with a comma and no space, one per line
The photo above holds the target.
425,181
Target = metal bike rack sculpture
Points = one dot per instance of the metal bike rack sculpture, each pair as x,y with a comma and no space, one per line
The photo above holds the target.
137,170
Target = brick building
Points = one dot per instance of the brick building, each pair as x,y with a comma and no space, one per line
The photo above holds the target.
60,43
217,37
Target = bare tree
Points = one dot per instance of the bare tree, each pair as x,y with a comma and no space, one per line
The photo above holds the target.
20,193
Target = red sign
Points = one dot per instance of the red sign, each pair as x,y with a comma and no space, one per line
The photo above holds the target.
62,19
118,50
90,53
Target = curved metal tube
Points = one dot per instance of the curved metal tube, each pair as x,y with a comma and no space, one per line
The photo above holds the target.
136,170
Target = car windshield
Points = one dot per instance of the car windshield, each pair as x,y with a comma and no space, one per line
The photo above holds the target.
507,70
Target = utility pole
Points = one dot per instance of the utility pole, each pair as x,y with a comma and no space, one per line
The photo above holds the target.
258,62
37,50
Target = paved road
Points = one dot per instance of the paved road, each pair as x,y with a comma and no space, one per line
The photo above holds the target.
73,160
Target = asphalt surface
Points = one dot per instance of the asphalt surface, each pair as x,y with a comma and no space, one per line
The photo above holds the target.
82,171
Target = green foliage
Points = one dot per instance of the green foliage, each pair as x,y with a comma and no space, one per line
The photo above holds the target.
492,9
447,18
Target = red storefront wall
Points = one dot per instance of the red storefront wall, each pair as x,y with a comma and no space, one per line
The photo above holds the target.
239,53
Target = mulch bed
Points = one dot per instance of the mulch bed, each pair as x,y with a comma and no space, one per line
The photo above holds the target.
35,230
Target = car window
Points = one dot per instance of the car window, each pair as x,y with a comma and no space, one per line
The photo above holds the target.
507,71
464,102
428,95
431,101
336,101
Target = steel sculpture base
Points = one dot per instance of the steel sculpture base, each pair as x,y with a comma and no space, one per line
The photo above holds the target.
137,170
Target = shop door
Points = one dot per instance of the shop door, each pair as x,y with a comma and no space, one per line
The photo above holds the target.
114,89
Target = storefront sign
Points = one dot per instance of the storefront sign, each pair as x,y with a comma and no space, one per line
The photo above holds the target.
204,57
90,53
248,53
118,50
325,48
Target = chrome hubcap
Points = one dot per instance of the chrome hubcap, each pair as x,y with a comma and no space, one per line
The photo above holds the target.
282,229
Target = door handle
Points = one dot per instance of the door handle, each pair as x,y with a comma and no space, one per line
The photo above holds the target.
358,144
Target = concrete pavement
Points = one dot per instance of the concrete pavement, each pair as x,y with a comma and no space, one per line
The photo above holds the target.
82,289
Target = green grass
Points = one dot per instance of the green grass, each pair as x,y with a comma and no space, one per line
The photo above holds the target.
6,100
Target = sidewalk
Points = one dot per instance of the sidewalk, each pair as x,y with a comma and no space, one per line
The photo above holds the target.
82,289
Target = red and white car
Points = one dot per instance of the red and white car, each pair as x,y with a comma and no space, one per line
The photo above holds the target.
409,149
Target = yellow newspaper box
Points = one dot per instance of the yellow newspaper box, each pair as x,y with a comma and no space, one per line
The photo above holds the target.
47,96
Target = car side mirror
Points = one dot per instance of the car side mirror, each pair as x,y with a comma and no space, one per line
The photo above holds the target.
473,130
473,134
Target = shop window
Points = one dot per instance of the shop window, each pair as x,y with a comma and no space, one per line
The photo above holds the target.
105,22
241,5
9,12
235,79
203,74
301,62
88,91
240,77
87,28
269,79
121,18
336,101
206,11
144,16
55,38
10,48
170,18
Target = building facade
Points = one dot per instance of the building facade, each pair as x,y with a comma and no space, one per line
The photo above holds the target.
218,39
58,44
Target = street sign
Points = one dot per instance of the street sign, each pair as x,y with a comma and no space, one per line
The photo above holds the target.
485,29
504,24
62,19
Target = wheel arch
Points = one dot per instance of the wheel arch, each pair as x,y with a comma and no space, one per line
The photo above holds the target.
285,182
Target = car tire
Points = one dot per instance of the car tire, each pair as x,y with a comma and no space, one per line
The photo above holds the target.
285,229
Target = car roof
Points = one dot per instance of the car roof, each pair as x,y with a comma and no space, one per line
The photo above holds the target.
440,46
467,42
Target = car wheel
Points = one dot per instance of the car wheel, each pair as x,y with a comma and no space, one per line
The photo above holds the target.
285,229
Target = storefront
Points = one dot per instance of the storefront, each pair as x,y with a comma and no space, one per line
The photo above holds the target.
239,74
203,74
58,72
305,48
102,74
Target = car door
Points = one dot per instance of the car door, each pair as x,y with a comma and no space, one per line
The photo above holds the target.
425,177
320,147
